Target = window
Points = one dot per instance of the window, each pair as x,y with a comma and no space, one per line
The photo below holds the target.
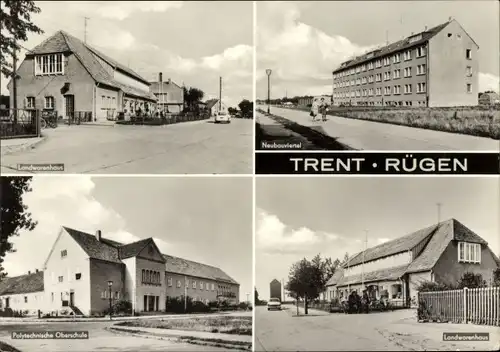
378,63
201,285
358,81
469,252
52,296
60,278
397,89
421,87
387,90
363,67
169,282
49,64
378,77
370,65
407,72
469,88
194,284
30,102
379,91
421,51
407,55
370,92
420,69
179,283
49,102
396,58
407,88
25,299
468,54
213,287
78,276
468,71
387,76
397,73
370,79
64,253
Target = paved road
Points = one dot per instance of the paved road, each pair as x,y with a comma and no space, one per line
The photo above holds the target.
367,135
100,340
199,147
385,331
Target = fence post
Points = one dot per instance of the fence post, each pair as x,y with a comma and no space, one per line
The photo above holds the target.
465,305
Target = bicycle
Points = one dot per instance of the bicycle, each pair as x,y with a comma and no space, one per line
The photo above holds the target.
44,123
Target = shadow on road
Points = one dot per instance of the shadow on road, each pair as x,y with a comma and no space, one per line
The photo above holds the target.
316,135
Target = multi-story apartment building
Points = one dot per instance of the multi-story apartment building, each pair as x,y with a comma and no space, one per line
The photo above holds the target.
169,94
83,272
67,76
436,68
275,289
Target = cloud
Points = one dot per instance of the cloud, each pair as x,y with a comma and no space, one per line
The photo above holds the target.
488,81
272,235
62,201
120,10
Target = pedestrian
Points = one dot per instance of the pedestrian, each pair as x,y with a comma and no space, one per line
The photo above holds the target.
323,107
314,109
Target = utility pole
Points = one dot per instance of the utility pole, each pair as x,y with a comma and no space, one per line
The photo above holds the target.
14,82
85,19
365,244
220,94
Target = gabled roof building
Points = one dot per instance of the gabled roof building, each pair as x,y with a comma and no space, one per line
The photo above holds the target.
439,253
83,272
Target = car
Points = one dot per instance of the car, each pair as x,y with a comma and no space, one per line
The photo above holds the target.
222,117
274,303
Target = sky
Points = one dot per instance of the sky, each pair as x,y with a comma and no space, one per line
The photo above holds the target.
303,42
190,42
300,217
208,220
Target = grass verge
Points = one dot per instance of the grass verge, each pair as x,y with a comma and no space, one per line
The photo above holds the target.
7,348
225,325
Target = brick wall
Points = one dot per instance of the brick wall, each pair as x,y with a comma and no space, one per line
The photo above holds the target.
100,273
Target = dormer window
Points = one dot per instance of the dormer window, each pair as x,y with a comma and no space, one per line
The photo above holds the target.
52,64
469,252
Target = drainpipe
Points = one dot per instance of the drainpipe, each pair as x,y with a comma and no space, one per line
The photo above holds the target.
427,70
95,101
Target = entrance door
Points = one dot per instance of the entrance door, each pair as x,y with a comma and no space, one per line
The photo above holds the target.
70,106
7,302
71,299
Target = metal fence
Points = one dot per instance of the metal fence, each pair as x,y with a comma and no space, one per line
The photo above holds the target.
476,305
79,117
19,123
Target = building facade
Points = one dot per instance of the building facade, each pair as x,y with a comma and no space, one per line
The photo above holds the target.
275,289
70,78
435,68
169,95
83,272
441,253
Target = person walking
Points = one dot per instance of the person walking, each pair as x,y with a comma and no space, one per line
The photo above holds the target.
314,109
323,107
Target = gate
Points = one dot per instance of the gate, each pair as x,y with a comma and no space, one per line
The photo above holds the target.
19,123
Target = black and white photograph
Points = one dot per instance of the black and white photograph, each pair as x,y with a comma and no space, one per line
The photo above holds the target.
126,264
377,75
377,264
127,87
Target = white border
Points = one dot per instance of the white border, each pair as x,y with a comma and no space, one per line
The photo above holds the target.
254,204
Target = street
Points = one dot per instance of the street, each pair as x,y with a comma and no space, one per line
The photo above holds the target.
200,147
384,331
368,135
99,340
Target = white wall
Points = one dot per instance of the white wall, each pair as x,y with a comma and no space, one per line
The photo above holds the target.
17,302
384,263
76,261
130,281
109,104
414,281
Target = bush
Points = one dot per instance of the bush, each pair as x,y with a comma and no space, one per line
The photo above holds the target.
496,277
178,305
429,286
471,280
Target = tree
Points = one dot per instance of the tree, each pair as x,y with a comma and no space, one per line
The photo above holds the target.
232,111
306,280
15,24
246,108
496,277
471,280
345,260
256,297
14,213
192,96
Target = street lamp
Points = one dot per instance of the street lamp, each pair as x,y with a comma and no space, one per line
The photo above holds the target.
110,284
248,301
268,73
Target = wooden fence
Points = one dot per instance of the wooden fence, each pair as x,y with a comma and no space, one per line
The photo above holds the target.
476,305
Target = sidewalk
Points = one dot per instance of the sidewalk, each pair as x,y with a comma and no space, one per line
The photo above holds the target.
9,146
292,310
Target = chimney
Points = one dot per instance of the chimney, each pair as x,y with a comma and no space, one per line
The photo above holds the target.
450,18
160,77
36,270
425,28
98,232
29,272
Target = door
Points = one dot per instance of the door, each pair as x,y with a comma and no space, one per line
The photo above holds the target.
7,302
71,299
70,106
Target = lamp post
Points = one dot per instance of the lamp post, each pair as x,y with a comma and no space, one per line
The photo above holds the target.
110,284
248,300
268,73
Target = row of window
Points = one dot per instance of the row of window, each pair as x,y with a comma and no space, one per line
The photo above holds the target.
385,61
107,295
151,277
388,90
108,103
78,276
52,64
194,284
49,103
407,72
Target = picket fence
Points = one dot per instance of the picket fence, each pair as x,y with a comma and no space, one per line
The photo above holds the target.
476,305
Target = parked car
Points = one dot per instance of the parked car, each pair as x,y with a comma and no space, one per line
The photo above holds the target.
274,303
222,117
